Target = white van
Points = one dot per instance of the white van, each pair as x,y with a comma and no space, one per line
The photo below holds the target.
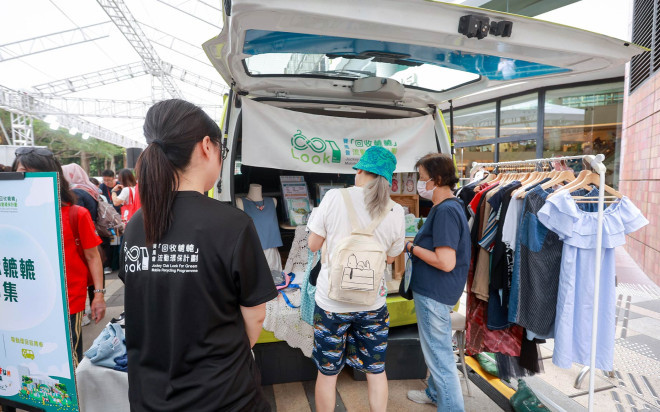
314,83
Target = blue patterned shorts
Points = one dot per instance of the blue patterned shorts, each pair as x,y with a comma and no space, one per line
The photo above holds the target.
356,338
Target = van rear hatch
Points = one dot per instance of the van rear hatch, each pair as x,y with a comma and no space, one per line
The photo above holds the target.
322,49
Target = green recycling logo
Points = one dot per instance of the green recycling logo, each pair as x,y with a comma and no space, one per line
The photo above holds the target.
318,146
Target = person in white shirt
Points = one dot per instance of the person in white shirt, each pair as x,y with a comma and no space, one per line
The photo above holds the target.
347,332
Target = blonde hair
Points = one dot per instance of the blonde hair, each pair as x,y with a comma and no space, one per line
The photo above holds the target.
376,195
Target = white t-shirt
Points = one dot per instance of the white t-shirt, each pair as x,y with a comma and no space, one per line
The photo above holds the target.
511,221
124,194
330,220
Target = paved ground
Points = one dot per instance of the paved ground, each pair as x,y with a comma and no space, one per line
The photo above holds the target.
634,387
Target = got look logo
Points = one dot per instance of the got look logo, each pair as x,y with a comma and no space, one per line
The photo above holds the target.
288,140
314,150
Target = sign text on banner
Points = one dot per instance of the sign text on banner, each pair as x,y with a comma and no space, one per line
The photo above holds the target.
285,139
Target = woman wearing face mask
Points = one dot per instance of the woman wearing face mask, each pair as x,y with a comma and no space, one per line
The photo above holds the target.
441,258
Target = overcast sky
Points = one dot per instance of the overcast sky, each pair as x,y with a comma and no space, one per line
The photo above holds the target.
31,18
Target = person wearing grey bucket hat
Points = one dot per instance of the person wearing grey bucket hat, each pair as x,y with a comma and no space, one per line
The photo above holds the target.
364,326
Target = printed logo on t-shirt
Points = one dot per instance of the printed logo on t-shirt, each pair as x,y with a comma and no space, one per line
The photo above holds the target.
174,258
136,259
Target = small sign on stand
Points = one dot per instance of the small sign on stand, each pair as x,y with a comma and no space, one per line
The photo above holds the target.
36,363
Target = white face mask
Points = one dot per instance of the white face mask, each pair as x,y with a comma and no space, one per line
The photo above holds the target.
423,192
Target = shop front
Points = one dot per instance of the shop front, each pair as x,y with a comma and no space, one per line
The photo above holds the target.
566,120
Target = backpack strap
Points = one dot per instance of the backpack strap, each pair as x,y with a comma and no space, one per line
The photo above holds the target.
352,215
369,230
376,222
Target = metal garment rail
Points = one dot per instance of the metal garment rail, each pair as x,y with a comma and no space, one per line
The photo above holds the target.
597,165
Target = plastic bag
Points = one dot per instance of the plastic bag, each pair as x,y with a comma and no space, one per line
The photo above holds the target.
487,362
525,400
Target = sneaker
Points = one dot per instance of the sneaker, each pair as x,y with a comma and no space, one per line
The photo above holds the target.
107,271
86,321
419,397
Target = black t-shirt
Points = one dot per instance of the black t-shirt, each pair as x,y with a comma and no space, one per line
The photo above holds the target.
185,336
86,200
107,192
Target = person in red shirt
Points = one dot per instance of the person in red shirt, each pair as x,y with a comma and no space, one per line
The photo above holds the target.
78,265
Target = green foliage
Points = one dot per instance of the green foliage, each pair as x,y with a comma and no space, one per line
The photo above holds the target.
71,149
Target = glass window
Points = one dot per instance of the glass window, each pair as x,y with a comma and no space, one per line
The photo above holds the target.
519,115
585,120
521,150
435,68
465,156
474,123
426,76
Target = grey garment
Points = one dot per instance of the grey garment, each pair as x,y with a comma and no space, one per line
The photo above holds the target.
540,263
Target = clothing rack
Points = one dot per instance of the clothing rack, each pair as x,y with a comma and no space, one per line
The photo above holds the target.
596,162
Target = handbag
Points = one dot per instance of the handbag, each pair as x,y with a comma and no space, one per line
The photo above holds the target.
405,291
307,290
133,204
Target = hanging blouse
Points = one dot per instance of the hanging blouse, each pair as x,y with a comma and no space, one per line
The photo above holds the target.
577,229
536,269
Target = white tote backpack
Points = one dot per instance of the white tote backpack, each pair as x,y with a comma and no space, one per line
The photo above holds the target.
358,261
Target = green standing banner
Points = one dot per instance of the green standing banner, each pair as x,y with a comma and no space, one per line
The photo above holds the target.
36,368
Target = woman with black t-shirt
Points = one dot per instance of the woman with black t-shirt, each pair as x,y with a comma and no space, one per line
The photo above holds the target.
197,280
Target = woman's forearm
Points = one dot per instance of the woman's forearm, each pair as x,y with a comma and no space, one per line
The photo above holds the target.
443,258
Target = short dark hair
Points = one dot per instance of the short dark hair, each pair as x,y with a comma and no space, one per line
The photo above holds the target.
108,173
94,181
440,168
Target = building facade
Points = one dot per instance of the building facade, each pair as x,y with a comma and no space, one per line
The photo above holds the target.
640,166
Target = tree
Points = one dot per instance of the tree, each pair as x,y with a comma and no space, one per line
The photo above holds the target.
93,155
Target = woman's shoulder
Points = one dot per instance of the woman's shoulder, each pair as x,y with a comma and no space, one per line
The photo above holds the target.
452,206
221,212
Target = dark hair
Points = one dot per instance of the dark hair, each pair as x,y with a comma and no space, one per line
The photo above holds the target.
108,173
94,181
172,128
44,163
127,178
440,168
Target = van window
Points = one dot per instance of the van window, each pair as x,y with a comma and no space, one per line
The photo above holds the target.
433,68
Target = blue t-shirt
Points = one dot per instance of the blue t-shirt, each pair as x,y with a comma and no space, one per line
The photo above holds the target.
445,226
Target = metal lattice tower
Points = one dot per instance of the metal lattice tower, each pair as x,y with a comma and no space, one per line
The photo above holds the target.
129,27
53,41
102,108
94,79
22,129
28,106
126,72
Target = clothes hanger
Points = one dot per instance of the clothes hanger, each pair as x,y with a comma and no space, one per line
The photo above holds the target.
594,180
559,177
534,178
575,183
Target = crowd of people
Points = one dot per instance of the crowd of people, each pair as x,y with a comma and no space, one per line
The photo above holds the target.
176,364
87,256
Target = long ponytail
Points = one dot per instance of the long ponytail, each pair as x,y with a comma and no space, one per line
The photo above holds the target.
376,195
172,129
